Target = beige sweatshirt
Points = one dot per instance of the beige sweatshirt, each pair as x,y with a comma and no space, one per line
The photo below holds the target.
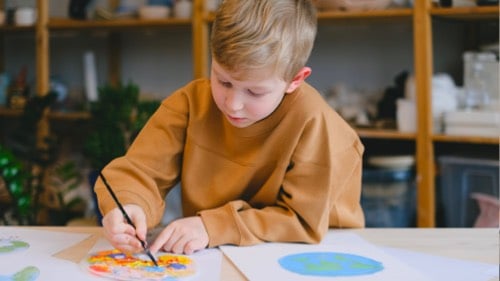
287,178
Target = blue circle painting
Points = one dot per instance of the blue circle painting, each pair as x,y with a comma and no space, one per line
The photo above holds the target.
329,264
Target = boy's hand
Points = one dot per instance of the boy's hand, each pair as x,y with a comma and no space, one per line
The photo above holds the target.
121,234
182,236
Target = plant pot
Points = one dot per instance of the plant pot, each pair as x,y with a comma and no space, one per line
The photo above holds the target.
92,178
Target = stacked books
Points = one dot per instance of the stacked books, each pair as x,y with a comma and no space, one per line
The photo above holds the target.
472,123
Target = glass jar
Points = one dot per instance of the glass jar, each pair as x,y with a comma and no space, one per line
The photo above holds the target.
480,81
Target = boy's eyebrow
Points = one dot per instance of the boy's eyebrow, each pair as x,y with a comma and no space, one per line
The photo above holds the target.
258,88
217,73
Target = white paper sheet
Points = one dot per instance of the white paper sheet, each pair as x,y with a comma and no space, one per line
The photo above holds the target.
40,241
37,257
260,262
441,268
49,268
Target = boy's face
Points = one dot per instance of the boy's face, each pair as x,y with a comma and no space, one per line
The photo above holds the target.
245,102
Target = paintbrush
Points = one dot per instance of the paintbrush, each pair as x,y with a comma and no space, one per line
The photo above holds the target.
129,221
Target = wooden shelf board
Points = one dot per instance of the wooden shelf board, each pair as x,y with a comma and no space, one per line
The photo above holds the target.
69,116
386,13
13,28
336,14
466,13
466,139
64,23
384,134
53,115
8,112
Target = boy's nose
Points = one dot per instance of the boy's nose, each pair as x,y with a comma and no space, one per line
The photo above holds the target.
234,101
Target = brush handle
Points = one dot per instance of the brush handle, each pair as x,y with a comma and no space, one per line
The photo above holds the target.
127,218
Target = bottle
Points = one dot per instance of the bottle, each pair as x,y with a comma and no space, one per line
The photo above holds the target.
18,91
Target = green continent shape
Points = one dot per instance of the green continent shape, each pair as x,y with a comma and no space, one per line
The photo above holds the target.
360,265
29,273
14,245
321,267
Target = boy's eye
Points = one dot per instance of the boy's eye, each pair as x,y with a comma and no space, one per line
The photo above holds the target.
254,93
225,84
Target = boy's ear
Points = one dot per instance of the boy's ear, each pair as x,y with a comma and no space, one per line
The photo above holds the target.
303,73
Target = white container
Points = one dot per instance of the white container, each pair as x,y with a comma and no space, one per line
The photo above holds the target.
90,76
25,16
406,115
472,123
183,9
473,118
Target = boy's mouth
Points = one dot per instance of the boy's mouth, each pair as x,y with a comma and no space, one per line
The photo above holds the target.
234,119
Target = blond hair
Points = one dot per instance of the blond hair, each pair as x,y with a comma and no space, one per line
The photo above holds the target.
249,35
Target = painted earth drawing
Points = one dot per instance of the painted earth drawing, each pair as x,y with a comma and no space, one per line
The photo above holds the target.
329,264
117,265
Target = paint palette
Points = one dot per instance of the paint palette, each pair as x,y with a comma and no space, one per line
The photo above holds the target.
117,265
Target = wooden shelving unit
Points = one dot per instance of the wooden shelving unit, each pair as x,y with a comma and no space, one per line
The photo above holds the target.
69,24
421,17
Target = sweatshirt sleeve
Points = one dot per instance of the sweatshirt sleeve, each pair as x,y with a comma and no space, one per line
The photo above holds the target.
151,165
345,209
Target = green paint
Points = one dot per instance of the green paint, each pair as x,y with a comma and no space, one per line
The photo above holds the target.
13,245
29,273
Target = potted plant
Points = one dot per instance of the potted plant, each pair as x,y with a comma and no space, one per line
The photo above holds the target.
63,203
24,159
116,118
111,122
18,208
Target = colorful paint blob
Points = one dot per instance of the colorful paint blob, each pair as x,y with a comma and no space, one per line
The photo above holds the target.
9,245
29,273
329,264
117,265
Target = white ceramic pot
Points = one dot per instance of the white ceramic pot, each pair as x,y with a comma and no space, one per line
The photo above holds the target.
406,115
25,16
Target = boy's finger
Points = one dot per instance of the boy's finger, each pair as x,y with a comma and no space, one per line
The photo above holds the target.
141,229
138,217
160,240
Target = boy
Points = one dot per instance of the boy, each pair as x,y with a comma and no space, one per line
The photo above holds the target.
259,154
